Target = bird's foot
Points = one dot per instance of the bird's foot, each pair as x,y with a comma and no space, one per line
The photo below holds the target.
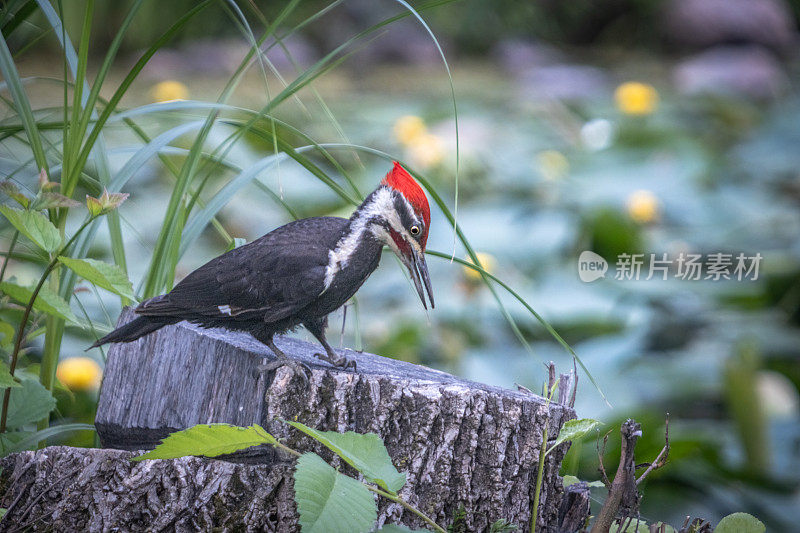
299,368
337,360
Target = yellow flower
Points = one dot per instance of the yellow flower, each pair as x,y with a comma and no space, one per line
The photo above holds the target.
426,151
635,98
552,164
408,129
169,90
643,207
487,262
79,373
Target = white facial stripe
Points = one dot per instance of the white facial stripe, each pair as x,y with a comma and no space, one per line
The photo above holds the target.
381,205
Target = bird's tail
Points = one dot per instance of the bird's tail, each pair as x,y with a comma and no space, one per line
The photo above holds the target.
134,329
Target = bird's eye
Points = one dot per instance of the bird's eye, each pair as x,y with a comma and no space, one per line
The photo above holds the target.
414,230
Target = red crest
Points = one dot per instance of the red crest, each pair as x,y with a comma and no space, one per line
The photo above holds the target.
401,181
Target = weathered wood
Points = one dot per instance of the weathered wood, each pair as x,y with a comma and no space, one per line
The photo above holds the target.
77,489
575,508
460,443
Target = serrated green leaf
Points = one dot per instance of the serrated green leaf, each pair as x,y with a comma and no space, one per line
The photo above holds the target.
48,200
399,528
6,379
47,301
29,403
575,430
7,331
571,480
105,275
364,452
34,226
330,502
209,440
105,203
740,523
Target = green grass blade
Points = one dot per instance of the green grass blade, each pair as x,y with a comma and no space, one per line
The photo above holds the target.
29,442
203,217
74,135
22,104
131,76
9,24
91,101
455,112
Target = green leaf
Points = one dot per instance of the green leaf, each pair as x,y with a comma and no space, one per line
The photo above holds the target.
29,403
571,480
47,301
12,191
364,452
105,275
209,440
575,430
7,330
631,526
399,528
740,523
34,226
330,502
502,526
6,379
105,203
48,200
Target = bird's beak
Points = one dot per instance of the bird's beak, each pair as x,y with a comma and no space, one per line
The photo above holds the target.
417,268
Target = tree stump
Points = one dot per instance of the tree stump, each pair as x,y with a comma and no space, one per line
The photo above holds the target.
464,446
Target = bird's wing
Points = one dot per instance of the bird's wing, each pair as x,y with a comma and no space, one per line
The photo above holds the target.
268,279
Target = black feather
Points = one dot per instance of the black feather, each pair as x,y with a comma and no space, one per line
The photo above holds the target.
265,287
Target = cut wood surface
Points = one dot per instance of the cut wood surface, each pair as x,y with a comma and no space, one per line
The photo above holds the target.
460,443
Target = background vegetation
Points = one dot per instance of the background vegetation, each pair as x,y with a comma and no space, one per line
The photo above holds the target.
559,154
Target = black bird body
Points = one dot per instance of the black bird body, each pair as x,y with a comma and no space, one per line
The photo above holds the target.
272,284
296,274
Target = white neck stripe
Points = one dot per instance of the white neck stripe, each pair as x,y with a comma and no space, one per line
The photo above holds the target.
382,206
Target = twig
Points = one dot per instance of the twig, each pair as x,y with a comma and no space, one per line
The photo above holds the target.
574,383
8,257
600,455
623,489
662,457
398,499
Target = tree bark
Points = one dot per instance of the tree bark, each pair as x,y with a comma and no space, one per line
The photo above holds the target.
462,444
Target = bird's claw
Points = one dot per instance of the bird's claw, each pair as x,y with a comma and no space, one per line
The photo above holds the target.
299,368
339,361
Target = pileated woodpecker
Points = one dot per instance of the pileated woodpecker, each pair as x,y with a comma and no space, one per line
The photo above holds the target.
298,273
